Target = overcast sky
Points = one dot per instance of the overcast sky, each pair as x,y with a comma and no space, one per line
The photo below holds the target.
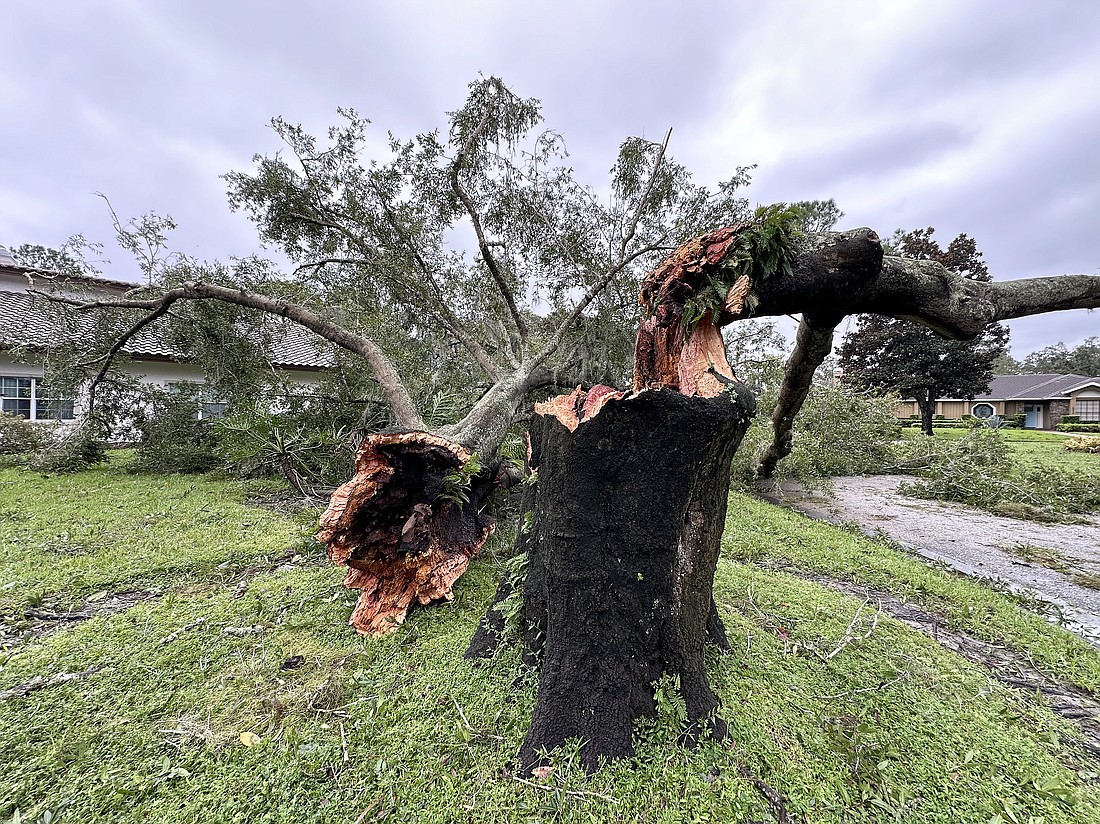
976,117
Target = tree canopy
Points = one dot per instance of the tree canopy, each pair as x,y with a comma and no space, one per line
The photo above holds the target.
1083,359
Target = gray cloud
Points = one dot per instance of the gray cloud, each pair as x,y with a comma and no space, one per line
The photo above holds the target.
977,117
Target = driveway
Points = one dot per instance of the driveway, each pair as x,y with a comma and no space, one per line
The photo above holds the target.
1017,553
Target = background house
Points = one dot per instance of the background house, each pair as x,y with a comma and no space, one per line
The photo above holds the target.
1044,399
31,331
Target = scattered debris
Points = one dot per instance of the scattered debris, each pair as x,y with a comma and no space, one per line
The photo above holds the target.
186,628
240,632
776,801
36,623
40,682
1005,664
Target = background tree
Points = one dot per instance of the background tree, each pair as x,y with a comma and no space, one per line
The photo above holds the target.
897,355
1059,359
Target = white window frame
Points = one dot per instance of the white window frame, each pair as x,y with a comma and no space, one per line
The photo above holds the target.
39,395
1093,415
209,406
992,410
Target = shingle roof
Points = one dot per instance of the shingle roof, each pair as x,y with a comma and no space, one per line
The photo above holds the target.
43,279
1032,387
30,321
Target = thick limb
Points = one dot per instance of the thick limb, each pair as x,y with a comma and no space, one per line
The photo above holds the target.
813,343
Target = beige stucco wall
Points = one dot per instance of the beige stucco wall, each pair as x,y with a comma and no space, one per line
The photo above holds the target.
905,409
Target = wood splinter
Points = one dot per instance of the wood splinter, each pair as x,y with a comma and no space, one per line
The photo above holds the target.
403,526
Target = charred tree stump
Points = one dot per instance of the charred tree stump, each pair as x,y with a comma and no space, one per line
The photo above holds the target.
627,523
403,526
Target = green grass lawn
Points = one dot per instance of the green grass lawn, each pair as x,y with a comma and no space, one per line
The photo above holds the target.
290,716
1029,446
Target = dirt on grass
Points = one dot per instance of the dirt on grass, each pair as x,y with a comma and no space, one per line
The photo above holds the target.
32,624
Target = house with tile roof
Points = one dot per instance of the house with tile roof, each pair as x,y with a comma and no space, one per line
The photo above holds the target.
1042,399
31,329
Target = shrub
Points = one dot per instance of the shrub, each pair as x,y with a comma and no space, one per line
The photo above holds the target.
839,432
18,436
173,439
309,455
1078,427
1082,444
80,448
1070,419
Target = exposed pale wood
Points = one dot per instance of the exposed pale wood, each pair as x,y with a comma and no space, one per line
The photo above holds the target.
398,528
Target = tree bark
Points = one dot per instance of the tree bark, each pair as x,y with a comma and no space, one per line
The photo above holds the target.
927,407
813,343
626,530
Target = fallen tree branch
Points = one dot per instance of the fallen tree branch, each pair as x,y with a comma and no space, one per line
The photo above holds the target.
40,682
563,791
813,343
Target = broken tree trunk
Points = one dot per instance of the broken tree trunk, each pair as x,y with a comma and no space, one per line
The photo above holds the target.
406,525
625,529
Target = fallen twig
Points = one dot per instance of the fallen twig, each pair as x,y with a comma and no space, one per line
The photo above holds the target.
563,790
40,682
240,632
862,690
186,628
775,799
849,635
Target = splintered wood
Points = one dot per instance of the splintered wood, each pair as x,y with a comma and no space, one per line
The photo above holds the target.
578,406
403,533
667,353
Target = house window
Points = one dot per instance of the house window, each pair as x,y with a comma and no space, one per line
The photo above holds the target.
210,407
1088,410
30,398
983,410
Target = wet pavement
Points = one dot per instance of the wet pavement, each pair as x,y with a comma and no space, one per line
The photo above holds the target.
974,542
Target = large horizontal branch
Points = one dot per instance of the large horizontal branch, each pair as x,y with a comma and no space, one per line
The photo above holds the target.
845,273
393,389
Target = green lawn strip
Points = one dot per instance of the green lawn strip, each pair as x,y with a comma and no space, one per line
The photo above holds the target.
427,736
930,734
66,537
762,530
